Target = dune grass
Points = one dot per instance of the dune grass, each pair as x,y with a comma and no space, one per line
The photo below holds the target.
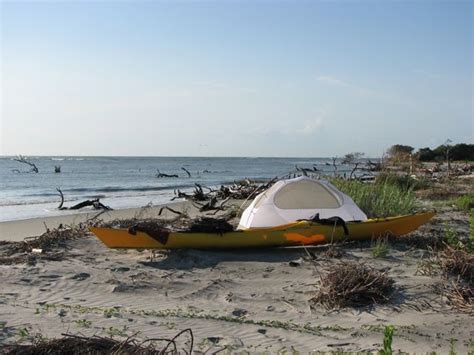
381,199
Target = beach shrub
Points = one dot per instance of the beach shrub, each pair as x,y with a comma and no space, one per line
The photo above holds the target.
379,199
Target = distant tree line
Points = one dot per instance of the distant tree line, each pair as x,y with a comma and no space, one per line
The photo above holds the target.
460,151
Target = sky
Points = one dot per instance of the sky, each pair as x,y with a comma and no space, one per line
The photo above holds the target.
234,78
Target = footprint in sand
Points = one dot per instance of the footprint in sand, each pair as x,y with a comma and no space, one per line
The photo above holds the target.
81,276
50,277
239,312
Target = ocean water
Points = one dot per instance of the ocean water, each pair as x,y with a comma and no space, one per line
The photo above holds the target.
125,182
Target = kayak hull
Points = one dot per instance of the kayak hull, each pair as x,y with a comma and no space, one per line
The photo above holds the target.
293,234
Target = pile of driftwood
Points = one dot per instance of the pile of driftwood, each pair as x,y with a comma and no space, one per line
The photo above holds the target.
208,199
75,344
352,284
43,247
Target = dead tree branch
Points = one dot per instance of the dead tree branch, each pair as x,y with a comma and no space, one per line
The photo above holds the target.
22,159
169,209
96,204
186,170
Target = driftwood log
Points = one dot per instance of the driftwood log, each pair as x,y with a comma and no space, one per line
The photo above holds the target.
96,204
163,175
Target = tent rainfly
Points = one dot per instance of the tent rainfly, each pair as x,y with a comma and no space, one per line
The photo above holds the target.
300,198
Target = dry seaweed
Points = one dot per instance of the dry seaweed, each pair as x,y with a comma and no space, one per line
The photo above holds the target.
334,252
75,344
180,224
210,225
352,284
459,295
458,262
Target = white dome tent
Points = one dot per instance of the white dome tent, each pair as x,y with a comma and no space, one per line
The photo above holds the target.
300,198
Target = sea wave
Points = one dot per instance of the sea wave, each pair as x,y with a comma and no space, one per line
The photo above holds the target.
104,189
75,194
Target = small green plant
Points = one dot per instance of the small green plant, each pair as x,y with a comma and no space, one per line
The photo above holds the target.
452,238
169,325
381,248
23,332
111,312
452,350
39,338
84,323
470,350
387,340
465,202
112,331
48,307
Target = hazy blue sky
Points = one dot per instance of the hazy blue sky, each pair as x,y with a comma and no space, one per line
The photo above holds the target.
239,78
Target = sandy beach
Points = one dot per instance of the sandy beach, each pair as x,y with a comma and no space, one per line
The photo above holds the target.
241,300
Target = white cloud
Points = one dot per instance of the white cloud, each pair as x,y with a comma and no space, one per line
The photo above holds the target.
333,81
330,80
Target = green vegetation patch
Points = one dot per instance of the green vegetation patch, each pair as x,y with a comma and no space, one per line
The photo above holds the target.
382,199
465,203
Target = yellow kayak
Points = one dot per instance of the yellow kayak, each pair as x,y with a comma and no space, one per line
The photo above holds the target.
293,234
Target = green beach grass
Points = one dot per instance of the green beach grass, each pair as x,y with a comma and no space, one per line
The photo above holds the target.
380,199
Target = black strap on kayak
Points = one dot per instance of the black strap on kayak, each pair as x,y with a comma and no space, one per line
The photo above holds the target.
331,221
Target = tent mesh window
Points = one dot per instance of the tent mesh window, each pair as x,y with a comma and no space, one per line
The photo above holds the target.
306,195
260,199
